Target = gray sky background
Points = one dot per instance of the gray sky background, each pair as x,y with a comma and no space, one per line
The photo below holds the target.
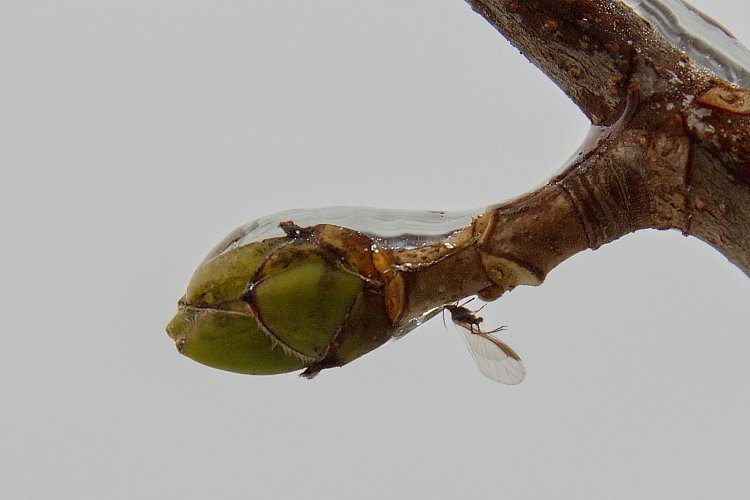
135,135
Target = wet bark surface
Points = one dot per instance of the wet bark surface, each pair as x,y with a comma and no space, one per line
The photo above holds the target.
673,150
669,150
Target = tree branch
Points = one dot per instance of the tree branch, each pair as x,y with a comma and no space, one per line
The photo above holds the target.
674,152
670,150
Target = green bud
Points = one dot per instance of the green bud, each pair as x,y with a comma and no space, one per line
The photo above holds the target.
222,279
302,297
280,305
215,327
229,341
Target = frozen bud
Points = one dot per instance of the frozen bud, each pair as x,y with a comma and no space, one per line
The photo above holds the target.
309,300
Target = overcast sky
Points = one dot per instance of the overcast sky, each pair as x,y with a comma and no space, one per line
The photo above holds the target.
135,135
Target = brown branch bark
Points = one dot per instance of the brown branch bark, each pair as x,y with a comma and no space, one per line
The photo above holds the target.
674,152
671,150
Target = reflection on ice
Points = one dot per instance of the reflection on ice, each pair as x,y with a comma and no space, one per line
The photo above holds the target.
704,40
387,227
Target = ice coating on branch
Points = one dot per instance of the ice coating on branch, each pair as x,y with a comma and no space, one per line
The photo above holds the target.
704,40
388,228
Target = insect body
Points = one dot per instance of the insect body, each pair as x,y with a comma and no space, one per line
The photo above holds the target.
494,358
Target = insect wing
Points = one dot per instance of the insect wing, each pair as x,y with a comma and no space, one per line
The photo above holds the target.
494,358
